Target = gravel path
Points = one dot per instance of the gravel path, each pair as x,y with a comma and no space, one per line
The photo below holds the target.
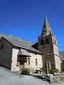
9,78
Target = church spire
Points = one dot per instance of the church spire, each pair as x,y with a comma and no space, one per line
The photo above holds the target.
46,28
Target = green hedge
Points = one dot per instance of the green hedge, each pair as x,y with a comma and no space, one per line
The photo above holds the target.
52,71
25,71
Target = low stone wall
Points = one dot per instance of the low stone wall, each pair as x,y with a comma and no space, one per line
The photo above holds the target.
59,77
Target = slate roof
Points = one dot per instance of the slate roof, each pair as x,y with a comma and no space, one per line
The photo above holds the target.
20,43
46,28
35,45
24,52
62,55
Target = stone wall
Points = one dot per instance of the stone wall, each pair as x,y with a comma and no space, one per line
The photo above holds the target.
5,53
32,65
57,62
57,57
58,77
49,48
14,66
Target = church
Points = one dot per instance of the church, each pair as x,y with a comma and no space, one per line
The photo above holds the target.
17,54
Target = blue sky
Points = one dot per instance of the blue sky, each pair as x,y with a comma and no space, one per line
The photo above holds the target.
24,18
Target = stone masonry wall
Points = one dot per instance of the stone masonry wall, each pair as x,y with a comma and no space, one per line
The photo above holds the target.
5,53
32,65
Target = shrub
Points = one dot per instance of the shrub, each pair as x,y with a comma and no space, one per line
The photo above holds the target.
52,71
42,69
25,71
36,71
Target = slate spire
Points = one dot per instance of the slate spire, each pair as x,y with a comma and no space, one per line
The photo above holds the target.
46,28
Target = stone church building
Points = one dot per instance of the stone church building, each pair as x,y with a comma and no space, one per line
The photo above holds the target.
17,54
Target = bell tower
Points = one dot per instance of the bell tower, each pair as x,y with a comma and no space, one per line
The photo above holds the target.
47,44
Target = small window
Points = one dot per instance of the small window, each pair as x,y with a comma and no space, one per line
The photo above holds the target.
42,41
47,41
36,61
28,61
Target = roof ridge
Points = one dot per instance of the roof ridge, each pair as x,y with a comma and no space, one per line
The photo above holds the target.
4,35
20,43
20,39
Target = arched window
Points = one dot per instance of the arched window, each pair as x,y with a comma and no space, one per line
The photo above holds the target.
36,61
28,61
49,65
